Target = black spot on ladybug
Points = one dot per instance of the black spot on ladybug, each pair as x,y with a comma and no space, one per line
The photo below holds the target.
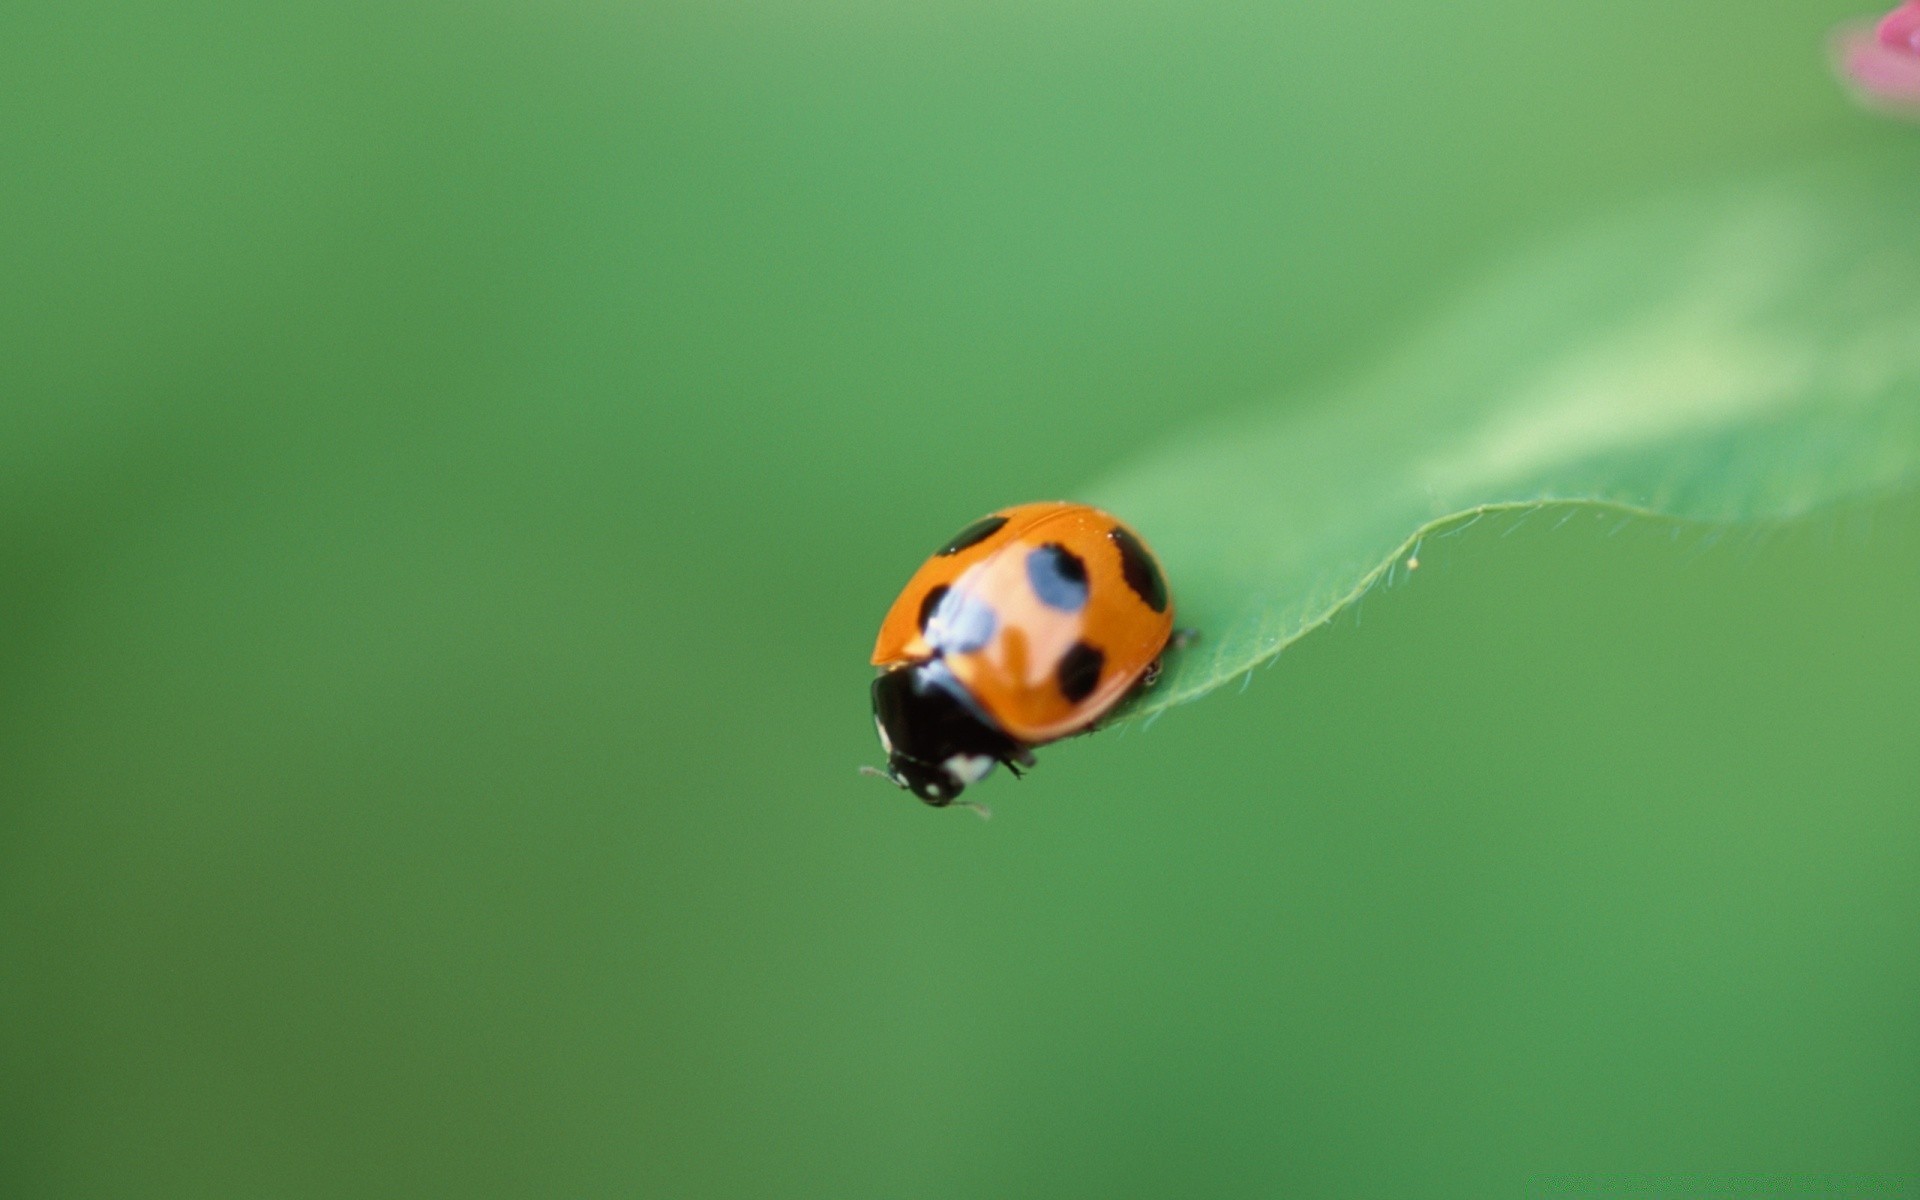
1058,577
972,535
1079,671
931,602
1142,573
960,623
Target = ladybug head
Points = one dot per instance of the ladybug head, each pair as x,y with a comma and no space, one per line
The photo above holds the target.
931,784
937,740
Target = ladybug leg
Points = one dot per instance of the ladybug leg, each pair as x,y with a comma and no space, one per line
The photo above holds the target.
1181,639
1021,757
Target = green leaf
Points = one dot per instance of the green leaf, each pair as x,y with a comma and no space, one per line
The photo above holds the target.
1743,355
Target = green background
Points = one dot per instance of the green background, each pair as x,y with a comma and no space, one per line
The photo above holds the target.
452,462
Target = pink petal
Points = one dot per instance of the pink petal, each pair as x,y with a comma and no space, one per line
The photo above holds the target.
1885,76
1899,30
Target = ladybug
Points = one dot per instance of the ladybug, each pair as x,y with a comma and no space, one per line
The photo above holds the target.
1029,626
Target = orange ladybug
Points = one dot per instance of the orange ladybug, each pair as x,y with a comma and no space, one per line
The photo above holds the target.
1029,626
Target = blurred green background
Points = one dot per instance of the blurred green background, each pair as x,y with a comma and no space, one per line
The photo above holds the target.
453,459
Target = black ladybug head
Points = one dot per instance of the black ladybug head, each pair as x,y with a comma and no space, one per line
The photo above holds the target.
937,739
931,784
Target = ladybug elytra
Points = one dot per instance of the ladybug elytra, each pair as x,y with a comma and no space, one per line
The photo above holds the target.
1029,626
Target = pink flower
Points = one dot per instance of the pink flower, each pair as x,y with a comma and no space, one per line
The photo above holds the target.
1883,61
1899,30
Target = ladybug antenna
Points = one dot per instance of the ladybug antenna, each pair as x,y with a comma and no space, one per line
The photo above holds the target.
979,810
877,773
